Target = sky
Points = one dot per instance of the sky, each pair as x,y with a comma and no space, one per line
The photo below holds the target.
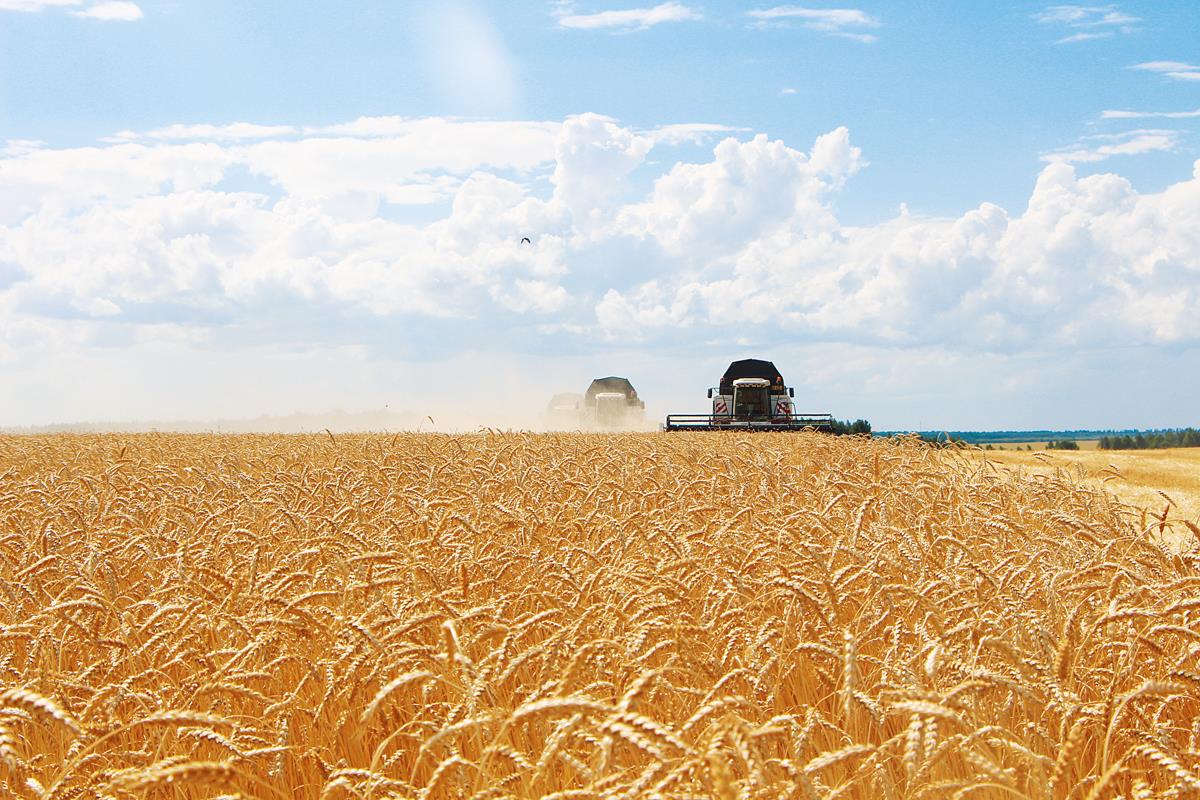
935,215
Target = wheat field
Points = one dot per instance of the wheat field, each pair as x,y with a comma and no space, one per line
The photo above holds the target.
581,616
1162,482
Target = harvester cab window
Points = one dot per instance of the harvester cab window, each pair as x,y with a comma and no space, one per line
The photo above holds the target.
750,401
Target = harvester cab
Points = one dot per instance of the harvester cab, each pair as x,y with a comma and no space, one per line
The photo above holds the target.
751,395
750,398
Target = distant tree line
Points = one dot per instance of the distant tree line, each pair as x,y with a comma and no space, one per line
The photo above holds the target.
844,427
943,439
1008,436
1062,444
1016,436
1152,440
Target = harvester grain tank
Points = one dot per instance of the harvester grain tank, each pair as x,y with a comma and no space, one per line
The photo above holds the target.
750,396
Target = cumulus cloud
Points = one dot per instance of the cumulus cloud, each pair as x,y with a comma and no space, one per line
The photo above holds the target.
844,22
1084,265
1176,70
1105,146
630,19
751,190
1088,22
593,157
162,243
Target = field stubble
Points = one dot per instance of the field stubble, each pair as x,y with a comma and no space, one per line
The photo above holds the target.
572,616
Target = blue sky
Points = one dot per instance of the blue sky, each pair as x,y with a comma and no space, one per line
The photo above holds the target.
954,282
953,101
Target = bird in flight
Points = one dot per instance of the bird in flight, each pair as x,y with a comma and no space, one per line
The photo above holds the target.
525,240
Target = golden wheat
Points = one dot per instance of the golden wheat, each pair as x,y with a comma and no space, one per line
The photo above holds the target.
581,616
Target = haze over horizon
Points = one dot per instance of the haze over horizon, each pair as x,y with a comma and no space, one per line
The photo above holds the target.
955,216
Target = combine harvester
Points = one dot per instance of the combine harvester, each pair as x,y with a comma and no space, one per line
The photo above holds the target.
751,396
610,404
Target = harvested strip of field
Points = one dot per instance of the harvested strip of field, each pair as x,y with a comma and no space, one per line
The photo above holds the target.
715,615
1156,481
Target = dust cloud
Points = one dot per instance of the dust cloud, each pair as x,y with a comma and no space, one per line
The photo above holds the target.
426,406
248,390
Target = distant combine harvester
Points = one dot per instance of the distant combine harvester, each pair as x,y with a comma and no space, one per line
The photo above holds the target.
609,404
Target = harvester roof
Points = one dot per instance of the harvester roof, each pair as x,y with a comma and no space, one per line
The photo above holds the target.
751,368
609,384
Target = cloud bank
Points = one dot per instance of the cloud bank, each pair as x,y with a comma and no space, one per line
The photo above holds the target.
396,238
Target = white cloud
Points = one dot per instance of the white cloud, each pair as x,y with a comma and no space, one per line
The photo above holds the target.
1115,114
845,22
1084,37
101,307
71,180
156,247
593,158
689,132
231,132
1122,114
1086,16
17,147
1165,66
367,127
632,19
1090,263
751,190
1130,143
107,10
1089,22
36,5
112,11
1176,70
786,91
394,166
